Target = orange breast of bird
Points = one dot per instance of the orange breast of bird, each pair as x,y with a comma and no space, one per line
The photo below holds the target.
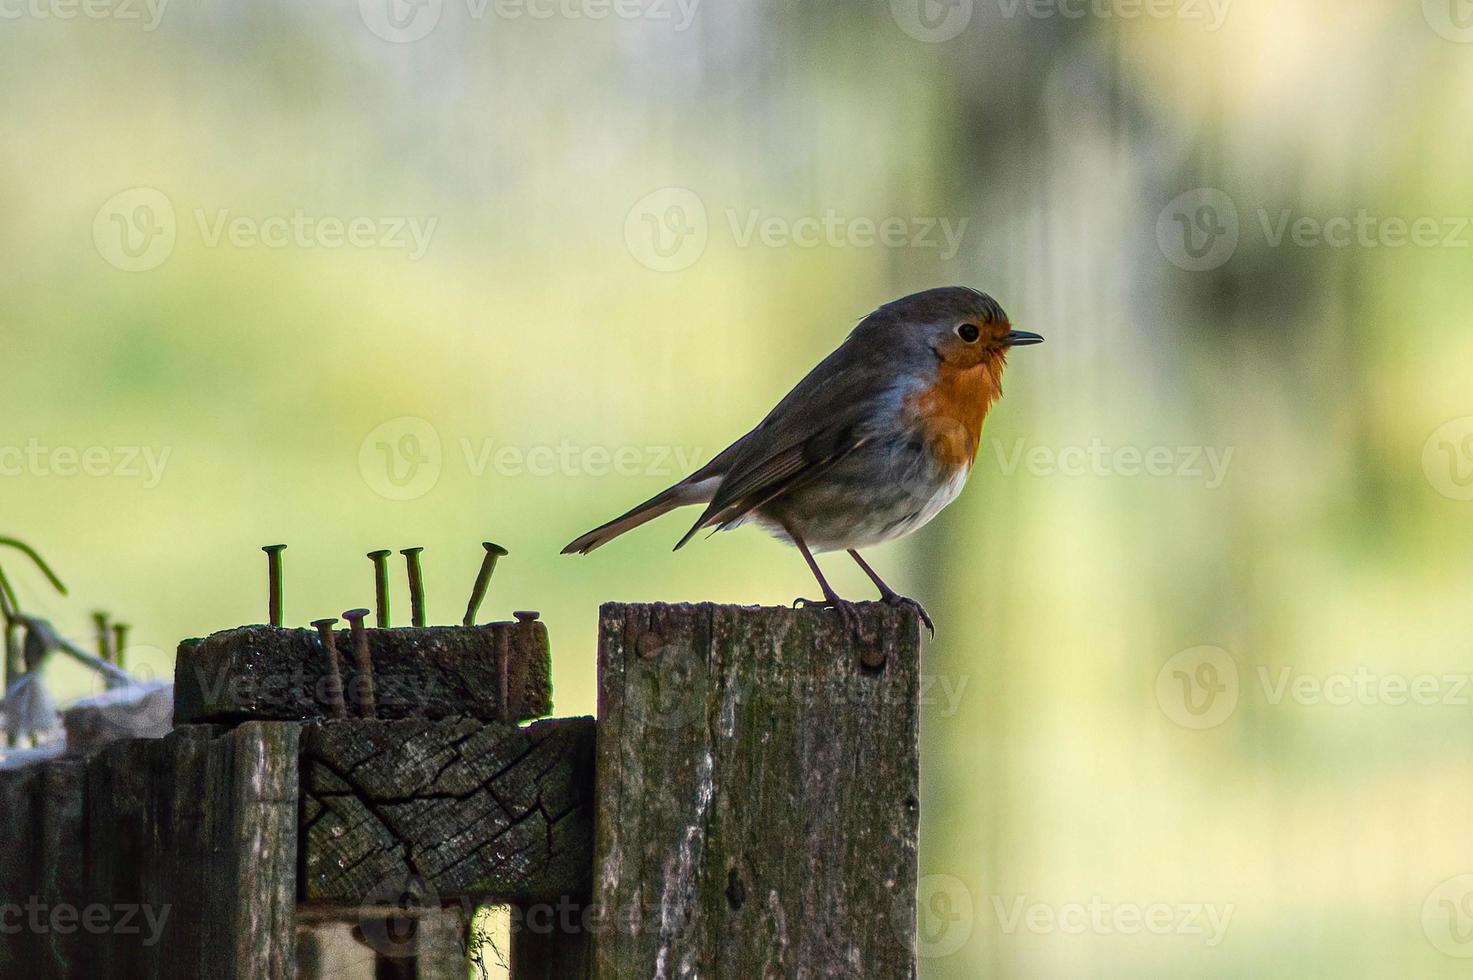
951,409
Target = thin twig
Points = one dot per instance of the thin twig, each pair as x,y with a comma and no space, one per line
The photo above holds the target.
40,562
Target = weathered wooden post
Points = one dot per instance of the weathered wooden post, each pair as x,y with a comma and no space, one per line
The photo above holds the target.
411,819
747,809
257,828
160,859
757,793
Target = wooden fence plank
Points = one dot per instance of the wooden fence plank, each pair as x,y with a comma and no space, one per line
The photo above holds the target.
757,793
446,809
193,838
62,786
20,873
496,672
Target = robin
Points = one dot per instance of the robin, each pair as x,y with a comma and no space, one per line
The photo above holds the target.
870,446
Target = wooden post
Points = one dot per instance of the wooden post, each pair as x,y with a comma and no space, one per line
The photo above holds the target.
496,672
198,831
159,859
757,791
20,815
438,810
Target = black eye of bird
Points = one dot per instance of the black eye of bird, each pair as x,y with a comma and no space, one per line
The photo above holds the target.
968,332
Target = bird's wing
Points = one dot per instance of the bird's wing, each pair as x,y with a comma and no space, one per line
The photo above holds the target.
821,421
742,493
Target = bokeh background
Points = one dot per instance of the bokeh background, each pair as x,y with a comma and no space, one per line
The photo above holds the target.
359,275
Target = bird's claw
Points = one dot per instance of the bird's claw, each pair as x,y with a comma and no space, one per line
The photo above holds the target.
851,615
903,601
845,609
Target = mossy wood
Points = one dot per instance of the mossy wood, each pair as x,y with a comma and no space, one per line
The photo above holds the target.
496,672
757,793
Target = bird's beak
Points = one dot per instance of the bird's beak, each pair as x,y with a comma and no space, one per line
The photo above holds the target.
1022,338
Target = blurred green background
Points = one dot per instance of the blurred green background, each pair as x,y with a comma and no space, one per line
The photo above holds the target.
1203,613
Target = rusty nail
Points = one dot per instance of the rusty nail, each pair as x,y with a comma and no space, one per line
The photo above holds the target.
526,615
483,581
381,587
273,572
355,619
329,639
416,586
120,642
104,636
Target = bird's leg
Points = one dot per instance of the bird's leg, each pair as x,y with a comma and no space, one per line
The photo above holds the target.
830,597
889,596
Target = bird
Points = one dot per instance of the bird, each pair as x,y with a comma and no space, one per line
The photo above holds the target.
868,447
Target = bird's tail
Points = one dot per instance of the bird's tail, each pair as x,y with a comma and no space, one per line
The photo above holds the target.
679,495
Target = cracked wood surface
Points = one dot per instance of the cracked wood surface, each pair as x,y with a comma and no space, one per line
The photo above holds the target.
219,833
496,672
757,793
446,809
